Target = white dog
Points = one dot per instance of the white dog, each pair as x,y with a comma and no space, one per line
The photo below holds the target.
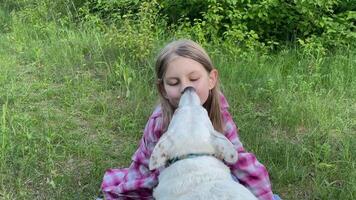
194,151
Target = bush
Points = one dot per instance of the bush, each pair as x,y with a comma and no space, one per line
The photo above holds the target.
274,22
242,23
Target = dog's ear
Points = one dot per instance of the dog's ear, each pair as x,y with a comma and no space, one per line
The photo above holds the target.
224,149
160,152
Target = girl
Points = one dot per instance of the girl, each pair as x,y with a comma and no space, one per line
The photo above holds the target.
181,64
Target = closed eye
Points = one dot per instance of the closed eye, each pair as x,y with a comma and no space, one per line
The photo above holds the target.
172,84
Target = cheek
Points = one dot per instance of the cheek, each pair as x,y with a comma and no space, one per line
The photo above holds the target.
203,93
172,93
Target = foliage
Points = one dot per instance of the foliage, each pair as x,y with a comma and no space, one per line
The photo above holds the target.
76,88
110,11
180,9
321,24
273,22
133,32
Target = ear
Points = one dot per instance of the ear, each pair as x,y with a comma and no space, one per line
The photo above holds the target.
224,149
160,152
213,78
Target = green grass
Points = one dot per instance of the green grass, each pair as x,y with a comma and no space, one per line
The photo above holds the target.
299,119
74,102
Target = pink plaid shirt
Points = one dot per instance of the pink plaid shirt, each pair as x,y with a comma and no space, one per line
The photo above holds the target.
137,181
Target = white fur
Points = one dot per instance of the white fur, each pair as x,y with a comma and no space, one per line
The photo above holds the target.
201,177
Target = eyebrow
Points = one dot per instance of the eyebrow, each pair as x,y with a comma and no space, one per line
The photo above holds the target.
191,73
171,79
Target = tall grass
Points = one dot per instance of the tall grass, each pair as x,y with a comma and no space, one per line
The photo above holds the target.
75,99
297,113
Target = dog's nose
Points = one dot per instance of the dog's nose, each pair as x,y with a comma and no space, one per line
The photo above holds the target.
189,88
189,97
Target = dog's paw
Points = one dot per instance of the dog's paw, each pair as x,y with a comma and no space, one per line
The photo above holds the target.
224,148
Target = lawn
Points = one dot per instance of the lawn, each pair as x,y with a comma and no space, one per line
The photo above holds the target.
74,102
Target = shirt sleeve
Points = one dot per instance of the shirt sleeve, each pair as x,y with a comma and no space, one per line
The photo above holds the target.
140,174
248,170
137,181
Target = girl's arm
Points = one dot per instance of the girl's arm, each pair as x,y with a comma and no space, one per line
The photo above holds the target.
248,170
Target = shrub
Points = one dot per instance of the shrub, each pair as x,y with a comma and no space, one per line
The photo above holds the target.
271,22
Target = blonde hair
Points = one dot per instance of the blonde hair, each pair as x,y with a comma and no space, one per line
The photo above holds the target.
188,49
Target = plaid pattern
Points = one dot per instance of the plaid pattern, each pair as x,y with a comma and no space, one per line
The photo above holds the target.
137,181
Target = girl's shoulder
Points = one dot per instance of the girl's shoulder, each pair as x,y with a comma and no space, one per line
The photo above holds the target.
157,112
224,105
226,116
153,129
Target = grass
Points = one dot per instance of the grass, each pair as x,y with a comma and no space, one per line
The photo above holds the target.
74,102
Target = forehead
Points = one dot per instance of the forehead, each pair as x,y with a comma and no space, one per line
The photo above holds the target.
183,66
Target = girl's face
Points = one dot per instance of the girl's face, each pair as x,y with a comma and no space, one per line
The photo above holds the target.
183,72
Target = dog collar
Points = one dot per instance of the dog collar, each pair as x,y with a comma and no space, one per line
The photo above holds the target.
190,155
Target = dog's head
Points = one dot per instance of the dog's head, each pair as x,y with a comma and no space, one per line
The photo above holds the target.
191,132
